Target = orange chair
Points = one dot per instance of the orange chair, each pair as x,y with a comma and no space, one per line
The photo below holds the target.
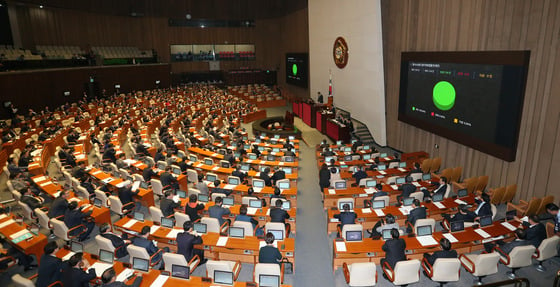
497,195
510,193
525,208
481,183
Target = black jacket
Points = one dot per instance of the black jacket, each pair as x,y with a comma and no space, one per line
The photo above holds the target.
440,254
394,251
415,214
278,215
167,207
50,270
118,242
535,234
58,207
76,277
185,244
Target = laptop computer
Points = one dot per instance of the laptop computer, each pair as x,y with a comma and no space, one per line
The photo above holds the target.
371,183
328,158
354,235
424,230
376,204
97,202
200,227
203,197
408,201
426,176
140,264
400,180
223,277
181,272
228,201
76,247
437,197
252,156
182,194
167,222
255,203
139,216
211,177
286,205
462,192
485,220
284,185
236,232
340,185
266,280
143,185
278,234
456,226
386,234
106,256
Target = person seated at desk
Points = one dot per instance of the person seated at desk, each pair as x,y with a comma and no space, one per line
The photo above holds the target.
201,185
72,137
417,212
59,205
13,168
416,169
445,252
407,189
218,212
289,151
120,161
277,194
66,156
229,157
119,242
506,248
75,217
186,241
394,249
535,231
359,174
217,188
388,223
142,241
484,207
552,210
168,180
50,269
324,144
159,155
30,199
167,205
79,170
324,177
73,275
242,176
463,214
441,189
246,218
345,217
141,149
109,279
125,193
378,192
277,214
279,174
269,253
264,176
109,155
374,165
193,207
148,172
255,150
327,152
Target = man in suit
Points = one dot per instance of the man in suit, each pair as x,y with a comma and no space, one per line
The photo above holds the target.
109,155
394,249
416,169
109,279
383,224
237,172
279,174
520,236
59,205
125,193
30,200
277,214
264,176
464,214
346,216
442,188
186,241
229,157
73,275
193,207
148,173
328,152
51,267
269,253
407,189
535,232
417,212
218,212
118,242
168,180
484,207
445,252
168,205
142,241
359,174
201,185
75,217
552,210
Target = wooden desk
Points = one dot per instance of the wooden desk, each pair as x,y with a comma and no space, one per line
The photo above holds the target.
31,246
241,190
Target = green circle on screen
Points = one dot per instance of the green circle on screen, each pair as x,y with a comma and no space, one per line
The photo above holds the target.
444,95
294,69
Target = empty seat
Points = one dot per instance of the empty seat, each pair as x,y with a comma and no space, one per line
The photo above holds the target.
405,272
360,274
480,265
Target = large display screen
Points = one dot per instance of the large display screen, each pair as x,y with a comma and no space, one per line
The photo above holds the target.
474,98
297,69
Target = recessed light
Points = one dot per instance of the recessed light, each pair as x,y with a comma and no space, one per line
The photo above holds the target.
41,6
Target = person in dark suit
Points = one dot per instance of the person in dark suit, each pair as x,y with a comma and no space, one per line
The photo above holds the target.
168,180
142,241
167,205
383,224
59,205
394,249
417,212
264,176
552,210
193,207
30,200
217,211
237,172
484,208
51,267
126,195
407,189
319,98
345,217
535,232
109,279
416,169
75,217
246,218
359,174
186,241
277,194
269,253
520,240
277,214
73,275
279,174
148,173
109,155
118,242
464,214
324,177
445,252
442,189
327,152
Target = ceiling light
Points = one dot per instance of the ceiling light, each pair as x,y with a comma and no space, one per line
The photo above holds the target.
41,6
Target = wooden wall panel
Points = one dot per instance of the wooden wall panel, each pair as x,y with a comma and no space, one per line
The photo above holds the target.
455,25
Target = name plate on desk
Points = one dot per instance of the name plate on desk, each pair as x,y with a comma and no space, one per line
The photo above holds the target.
332,191
222,241
340,246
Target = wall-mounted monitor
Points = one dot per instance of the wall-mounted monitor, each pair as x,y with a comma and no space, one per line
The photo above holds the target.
297,69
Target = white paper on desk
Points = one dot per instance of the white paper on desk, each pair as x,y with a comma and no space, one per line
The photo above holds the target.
402,169
258,174
416,184
482,233
405,210
56,194
370,190
6,223
173,233
281,163
124,183
366,210
100,267
45,183
19,233
426,240
394,186
257,189
80,156
458,201
382,172
362,195
340,246
135,185
2,216
229,186
214,155
67,256
96,172
130,223
439,205
41,178
222,241
107,180
216,168
124,275
450,237
508,226
387,158
154,228
334,220
268,212
332,191
251,210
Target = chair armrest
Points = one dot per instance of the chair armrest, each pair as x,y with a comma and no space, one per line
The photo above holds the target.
11,261
427,267
236,269
132,203
281,273
346,272
523,202
537,253
152,257
408,224
504,257
224,228
35,276
74,228
386,269
55,283
445,224
170,216
44,208
471,267
339,231
194,261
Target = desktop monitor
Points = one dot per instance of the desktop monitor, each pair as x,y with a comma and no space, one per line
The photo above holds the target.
252,156
167,222
462,192
203,197
371,183
383,155
340,184
287,170
233,180
180,271
286,205
193,158
275,149
437,197
366,147
278,234
338,142
366,157
228,201
424,230
485,220
354,235
182,194
97,202
270,157
342,203
402,164
161,165
177,170
208,161
224,164
408,201
381,167
347,158
426,176
236,232
263,168
386,234
376,204
284,185
140,264
328,159
222,151
199,227
211,177
76,247
266,280
347,149
143,185
289,159
291,138
106,256
276,136
260,148
456,226
139,216
245,167
223,277
255,203
400,180
246,146
258,183
511,214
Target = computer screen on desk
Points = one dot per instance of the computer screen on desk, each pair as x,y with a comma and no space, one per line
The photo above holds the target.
485,220
176,170
342,203
233,180
211,177
400,180
236,232
457,226
462,192
286,205
167,222
408,201
424,230
203,197
76,247
269,280
386,234
371,183
426,176
376,204
228,201
354,235
284,185
179,271
402,164
182,194
381,167
223,277
199,227
278,234
255,203
139,216
258,183
105,256
340,184
140,264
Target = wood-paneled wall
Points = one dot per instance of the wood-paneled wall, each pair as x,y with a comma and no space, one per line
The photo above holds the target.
476,25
